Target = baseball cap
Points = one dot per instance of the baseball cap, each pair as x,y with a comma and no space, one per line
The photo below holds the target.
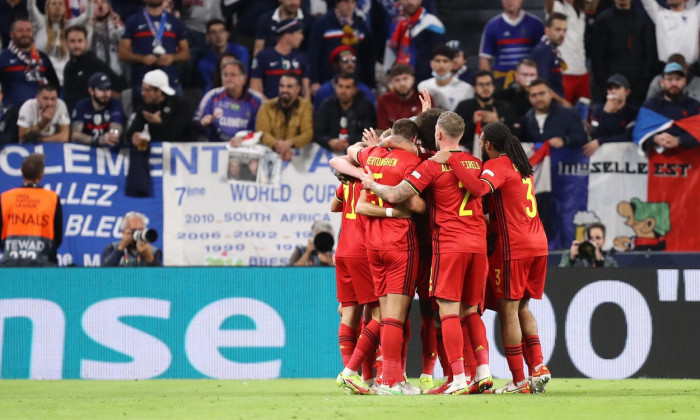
618,79
674,68
100,81
158,79
288,26
339,50
455,45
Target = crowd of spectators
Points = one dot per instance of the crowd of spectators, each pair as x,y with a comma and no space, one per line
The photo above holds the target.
100,73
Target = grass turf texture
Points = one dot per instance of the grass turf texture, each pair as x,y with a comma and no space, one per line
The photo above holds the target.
321,399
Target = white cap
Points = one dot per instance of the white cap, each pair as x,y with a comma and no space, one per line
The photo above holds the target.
158,79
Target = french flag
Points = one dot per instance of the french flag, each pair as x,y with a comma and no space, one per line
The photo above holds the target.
650,123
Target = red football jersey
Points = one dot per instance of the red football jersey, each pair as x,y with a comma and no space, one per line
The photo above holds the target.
457,219
389,167
351,242
513,210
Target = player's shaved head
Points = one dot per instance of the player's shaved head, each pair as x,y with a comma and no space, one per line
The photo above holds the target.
451,124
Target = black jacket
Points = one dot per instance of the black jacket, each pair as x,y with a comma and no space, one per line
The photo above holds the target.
77,73
517,98
561,122
176,126
624,43
360,115
8,124
615,127
466,110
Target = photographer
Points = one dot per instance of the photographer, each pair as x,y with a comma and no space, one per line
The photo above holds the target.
131,251
589,253
319,251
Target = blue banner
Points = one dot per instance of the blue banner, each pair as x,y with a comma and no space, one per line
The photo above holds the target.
90,182
569,193
141,323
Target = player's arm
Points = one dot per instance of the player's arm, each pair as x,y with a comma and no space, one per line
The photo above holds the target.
354,150
337,204
366,208
416,204
396,194
477,187
345,165
399,143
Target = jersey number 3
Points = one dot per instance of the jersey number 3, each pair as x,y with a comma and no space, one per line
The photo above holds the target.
532,210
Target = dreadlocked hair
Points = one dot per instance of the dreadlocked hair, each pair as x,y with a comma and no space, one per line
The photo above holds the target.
504,142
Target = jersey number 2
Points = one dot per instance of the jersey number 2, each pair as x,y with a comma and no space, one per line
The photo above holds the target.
463,211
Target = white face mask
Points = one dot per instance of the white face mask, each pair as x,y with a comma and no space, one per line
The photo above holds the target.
529,80
442,78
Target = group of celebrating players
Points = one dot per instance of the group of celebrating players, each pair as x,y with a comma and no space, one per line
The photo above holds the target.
413,220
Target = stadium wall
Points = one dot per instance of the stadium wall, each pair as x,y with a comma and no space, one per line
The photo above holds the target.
258,323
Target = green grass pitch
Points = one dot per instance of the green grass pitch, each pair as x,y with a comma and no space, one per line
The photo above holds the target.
321,399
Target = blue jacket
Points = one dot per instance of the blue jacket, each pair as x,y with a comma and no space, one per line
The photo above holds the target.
549,65
561,122
207,65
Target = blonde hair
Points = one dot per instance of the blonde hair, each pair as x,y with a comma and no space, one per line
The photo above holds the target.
451,124
52,35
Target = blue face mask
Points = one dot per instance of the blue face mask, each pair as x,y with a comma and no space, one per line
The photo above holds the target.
442,78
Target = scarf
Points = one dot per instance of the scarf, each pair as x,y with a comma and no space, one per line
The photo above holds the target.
401,38
33,62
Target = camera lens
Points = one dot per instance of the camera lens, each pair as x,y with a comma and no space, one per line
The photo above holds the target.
323,242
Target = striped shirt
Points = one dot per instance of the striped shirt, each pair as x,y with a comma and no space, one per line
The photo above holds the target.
509,41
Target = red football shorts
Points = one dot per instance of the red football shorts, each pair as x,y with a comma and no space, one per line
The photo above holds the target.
459,277
425,255
576,87
517,279
393,271
354,280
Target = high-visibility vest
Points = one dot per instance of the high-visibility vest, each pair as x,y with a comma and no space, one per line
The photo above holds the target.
28,223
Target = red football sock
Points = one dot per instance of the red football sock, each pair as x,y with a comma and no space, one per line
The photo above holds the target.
347,337
392,342
441,352
514,355
379,361
477,336
406,339
366,344
526,356
428,344
452,337
468,351
368,366
533,351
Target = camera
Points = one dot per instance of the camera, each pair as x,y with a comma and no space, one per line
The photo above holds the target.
323,242
586,251
145,235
